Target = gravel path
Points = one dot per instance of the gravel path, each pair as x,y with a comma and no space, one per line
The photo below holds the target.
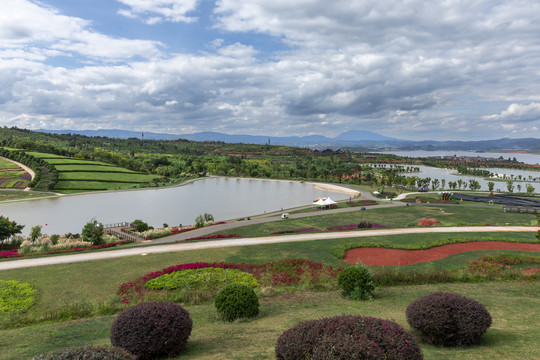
143,250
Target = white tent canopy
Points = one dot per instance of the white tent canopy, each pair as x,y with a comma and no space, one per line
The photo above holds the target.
324,202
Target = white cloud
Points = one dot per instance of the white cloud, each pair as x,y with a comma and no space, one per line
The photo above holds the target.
156,11
25,26
517,113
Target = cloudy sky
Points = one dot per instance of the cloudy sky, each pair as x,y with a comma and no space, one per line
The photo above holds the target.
411,69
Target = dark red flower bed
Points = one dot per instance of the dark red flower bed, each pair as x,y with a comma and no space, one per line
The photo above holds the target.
14,253
293,231
282,273
9,254
218,236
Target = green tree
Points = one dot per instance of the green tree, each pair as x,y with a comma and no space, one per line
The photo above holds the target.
510,186
140,225
35,233
491,185
93,232
530,189
8,228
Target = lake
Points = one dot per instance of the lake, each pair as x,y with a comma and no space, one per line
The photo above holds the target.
526,158
225,198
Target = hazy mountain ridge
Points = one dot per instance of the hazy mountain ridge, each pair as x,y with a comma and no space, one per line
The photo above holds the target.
354,139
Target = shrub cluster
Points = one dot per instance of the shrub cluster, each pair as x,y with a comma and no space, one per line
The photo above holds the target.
448,319
153,329
203,279
88,353
356,282
16,297
290,272
236,301
347,337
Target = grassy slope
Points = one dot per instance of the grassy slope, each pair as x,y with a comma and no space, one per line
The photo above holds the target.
395,217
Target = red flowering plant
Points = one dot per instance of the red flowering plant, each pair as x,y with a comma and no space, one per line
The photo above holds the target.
211,237
9,254
290,272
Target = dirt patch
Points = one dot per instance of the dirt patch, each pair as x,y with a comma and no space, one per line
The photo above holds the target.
428,222
392,257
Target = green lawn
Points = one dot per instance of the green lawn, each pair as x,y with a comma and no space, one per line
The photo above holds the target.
93,185
395,217
106,176
70,161
6,195
96,168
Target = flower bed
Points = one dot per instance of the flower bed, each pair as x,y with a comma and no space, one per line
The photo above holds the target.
354,227
217,236
495,265
14,253
305,230
9,254
290,272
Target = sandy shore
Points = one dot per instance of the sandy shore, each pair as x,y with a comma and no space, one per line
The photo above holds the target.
336,188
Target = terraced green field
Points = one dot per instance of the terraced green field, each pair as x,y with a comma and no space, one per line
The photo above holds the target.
76,175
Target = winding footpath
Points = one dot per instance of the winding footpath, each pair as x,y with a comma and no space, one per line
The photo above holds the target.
144,250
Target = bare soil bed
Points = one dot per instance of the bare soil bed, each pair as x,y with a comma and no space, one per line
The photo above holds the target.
393,257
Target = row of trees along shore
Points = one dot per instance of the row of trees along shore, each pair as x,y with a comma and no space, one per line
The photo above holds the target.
181,158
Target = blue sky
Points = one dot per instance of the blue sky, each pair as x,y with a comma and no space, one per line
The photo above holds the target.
413,69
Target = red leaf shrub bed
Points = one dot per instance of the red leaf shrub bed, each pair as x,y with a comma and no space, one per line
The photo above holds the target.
347,337
9,254
218,236
14,253
288,272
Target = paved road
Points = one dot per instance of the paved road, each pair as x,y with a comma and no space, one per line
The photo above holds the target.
140,250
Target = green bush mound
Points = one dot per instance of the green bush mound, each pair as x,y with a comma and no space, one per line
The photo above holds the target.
88,353
347,337
236,301
152,330
448,319
16,297
203,279
356,282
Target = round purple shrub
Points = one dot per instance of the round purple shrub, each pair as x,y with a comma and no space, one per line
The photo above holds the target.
448,319
152,330
347,337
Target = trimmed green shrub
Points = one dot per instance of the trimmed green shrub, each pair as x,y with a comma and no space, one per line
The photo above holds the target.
88,353
16,297
347,337
356,282
448,319
236,301
152,330
203,279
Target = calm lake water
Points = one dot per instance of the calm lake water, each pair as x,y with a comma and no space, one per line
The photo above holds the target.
225,198
526,158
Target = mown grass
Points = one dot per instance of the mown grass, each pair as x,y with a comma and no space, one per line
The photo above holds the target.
106,177
93,185
394,217
70,161
93,168
513,306
10,195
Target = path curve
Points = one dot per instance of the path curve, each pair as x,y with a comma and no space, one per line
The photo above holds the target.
24,167
143,250
393,257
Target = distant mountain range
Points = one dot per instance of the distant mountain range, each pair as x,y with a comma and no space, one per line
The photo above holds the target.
354,139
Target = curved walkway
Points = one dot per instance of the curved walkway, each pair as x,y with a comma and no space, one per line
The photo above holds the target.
139,250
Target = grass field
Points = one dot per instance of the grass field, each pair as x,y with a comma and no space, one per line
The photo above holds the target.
78,175
395,217
513,305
